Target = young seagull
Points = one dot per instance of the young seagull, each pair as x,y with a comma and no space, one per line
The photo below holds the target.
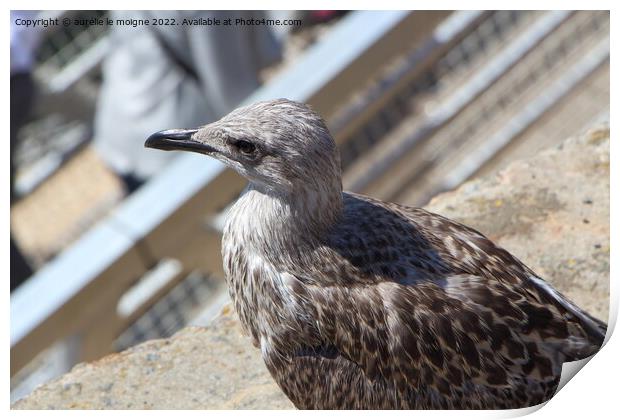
360,304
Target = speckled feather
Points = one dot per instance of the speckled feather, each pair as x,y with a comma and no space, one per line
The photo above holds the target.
361,304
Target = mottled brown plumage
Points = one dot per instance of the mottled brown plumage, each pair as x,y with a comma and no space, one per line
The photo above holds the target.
358,303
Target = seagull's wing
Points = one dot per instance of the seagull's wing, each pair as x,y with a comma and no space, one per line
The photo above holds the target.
422,246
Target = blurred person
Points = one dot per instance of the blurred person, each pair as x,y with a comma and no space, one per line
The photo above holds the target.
183,75
24,42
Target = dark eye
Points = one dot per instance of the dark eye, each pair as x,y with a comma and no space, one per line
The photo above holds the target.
245,147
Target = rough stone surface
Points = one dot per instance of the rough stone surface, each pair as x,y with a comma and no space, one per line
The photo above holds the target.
198,368
551,211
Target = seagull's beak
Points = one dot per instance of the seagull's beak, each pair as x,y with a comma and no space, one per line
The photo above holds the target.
177,139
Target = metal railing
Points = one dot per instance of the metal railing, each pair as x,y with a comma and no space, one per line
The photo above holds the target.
463,122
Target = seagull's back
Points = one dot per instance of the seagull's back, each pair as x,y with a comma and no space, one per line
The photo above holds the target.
401,308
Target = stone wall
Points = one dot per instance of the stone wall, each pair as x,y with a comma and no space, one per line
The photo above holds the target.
551,211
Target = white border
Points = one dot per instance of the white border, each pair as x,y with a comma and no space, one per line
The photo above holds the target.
593,394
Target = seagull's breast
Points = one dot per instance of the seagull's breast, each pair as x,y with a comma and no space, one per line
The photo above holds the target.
263,294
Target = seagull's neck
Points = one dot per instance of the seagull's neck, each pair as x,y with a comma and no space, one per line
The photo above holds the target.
267,235
274,223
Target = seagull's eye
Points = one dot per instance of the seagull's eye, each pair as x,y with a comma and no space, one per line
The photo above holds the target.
245,147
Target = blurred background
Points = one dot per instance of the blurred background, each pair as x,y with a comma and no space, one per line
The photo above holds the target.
113,244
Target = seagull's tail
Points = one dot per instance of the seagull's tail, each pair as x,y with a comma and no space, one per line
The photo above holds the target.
594,329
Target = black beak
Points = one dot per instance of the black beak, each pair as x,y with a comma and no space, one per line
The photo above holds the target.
176,139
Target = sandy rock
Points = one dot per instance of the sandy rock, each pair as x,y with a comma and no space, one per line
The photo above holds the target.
551,211
198,368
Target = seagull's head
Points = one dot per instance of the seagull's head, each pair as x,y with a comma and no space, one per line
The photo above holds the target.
281,146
